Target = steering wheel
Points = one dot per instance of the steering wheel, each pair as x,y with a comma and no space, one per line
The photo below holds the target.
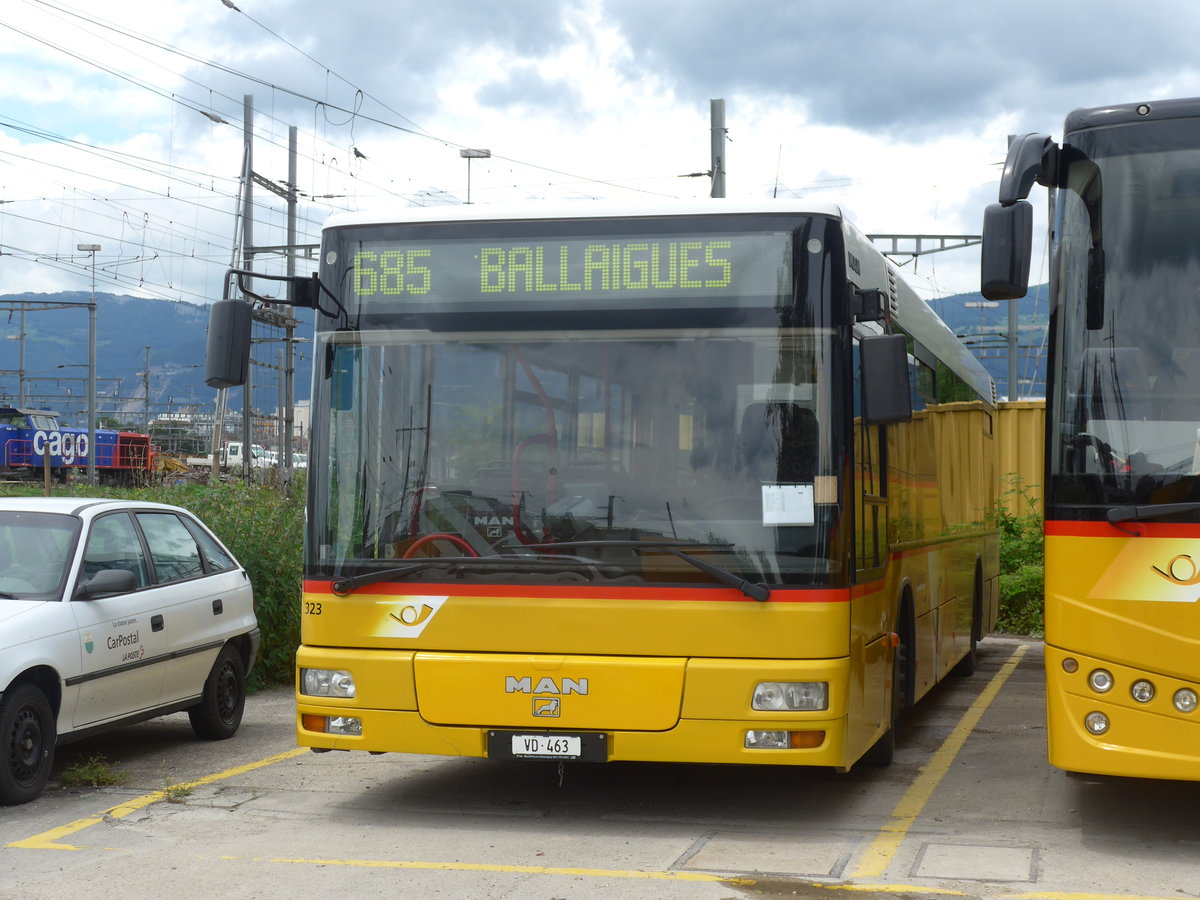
454,539
1104,453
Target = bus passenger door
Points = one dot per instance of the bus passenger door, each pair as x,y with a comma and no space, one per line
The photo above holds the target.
871,611
870,501
870,486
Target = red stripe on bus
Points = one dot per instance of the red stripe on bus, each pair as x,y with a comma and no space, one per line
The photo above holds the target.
1059,528
716,595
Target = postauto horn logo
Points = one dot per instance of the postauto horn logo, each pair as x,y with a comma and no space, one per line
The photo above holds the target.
407,616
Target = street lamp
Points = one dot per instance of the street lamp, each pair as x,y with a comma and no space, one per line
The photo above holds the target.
469,155
93,249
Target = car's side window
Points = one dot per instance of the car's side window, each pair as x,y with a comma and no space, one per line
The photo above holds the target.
218,559
172,549
113,544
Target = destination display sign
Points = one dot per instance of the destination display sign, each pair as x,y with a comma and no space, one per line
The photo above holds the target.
730,269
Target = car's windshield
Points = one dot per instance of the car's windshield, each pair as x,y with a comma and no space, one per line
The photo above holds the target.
35,549
578,455
1126,414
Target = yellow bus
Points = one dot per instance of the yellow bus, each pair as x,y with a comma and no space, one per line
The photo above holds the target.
700,483
1122,482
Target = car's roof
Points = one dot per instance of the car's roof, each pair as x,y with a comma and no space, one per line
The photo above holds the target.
76,506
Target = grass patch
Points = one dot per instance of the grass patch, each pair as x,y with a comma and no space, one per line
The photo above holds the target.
95,772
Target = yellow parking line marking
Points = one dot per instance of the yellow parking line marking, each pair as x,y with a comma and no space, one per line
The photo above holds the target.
877,857
912,890
519,870
49,840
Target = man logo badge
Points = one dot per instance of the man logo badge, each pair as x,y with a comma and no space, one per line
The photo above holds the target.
546,707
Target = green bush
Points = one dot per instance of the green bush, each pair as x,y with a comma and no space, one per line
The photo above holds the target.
1022,575
264,527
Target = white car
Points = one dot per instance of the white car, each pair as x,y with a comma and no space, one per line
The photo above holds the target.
113,612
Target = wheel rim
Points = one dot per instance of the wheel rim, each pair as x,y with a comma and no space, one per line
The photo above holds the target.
26,746
227,692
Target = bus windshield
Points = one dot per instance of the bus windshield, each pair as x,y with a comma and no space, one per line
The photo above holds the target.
597,456
1125,424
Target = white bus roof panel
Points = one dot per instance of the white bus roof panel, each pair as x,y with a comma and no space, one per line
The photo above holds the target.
582,209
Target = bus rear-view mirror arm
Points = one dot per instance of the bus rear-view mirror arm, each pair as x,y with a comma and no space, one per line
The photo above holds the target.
227,359
303,291
1031,158
1008,224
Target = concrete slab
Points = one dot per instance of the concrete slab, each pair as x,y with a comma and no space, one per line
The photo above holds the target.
779,854
974,862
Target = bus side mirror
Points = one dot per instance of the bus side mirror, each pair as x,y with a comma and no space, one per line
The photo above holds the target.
886,396
1007,245
227,359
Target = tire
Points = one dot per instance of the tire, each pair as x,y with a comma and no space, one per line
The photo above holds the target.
219,712
884,749
28,732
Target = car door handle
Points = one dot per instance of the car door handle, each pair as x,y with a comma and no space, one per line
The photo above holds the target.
218,606
156,623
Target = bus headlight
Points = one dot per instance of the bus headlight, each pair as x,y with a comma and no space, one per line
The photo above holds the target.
766,740
1096,723
348,725
1101,681
326,683
1185,700
344,725
791,695
784,740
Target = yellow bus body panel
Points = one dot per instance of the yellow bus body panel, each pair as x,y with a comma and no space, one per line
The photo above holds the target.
1122,604
693,708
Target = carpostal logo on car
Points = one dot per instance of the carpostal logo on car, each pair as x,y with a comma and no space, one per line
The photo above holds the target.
70,447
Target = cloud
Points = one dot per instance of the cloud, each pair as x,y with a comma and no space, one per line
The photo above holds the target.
403,54
914,68
896,111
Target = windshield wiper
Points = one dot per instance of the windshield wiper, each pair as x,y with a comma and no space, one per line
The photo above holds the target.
724,576
1120,514
344,586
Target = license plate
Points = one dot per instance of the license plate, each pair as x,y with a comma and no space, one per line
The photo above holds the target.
534,745
556,745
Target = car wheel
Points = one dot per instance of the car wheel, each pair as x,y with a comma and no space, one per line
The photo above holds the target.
219,712
28,732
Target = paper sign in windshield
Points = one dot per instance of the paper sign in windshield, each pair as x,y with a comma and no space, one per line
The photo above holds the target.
787,504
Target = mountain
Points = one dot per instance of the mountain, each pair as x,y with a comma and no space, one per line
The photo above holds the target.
56,353
983,326
55,344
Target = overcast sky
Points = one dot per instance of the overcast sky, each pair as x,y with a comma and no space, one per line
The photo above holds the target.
123,127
